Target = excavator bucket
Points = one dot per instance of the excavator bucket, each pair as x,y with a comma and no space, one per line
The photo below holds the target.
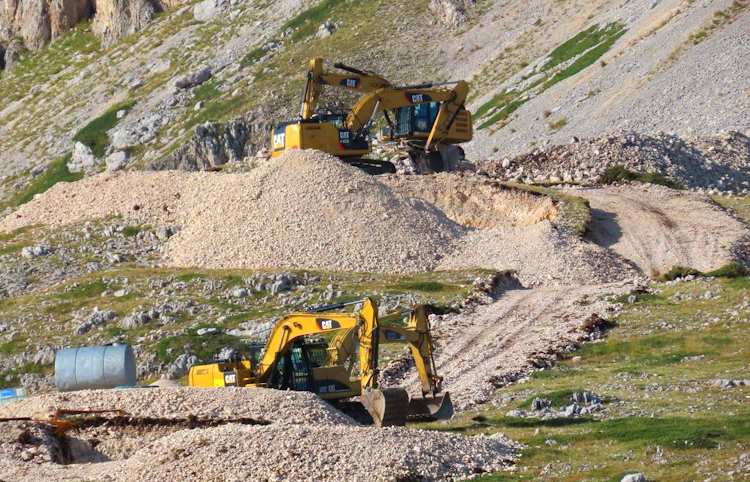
438,407
387,407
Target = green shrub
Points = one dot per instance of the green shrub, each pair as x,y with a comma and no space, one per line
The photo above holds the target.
731,270
131,231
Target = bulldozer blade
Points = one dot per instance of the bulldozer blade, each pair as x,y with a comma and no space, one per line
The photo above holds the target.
439,407
387,407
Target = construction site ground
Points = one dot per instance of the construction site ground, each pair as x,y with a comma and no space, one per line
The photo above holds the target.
664,348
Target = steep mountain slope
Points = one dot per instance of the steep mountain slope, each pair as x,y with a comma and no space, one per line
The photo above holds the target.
541,71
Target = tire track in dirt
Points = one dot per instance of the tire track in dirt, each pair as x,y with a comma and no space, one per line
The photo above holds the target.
480,351
658,228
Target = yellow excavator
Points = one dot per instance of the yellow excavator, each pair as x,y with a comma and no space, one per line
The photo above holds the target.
429,118
335,355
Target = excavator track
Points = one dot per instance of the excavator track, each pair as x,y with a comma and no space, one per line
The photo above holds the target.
372,166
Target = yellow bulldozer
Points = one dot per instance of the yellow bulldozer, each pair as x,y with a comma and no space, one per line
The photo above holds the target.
430,119
335,354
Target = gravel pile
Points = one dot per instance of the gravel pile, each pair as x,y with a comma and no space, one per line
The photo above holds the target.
316,453
541,254
306,440
718,163
309,210
262,404
306,210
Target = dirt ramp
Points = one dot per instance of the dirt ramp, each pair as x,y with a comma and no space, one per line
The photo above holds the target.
474,201
659,228
542,255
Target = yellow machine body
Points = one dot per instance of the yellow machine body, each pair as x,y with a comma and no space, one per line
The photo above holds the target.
344,366
426,117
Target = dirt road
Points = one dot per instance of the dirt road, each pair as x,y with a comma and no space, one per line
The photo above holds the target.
659,228
525,328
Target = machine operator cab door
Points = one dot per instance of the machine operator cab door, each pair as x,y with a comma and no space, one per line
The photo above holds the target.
294,369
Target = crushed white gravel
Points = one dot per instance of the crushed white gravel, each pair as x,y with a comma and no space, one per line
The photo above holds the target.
263,404
304,210
307,440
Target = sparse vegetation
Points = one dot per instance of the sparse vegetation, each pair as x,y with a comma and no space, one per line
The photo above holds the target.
731,270
56,172
583,50
619,174
739,205
721,19
664,415
94,134
558,124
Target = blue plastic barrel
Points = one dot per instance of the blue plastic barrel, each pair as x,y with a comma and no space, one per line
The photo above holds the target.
8,395
92,367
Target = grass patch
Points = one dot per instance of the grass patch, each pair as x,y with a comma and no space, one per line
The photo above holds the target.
132,231
558,398
83,291
426,286
204,347
730,270
12,248
676,432
56,172
253,56
207,91
94,134
306,23
567,60
620,174
739,205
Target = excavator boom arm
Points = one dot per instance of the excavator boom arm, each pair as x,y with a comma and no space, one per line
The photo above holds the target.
355,80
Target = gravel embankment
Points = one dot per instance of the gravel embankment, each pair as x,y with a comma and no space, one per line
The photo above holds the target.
263,404
541,254
306,210
717,163
474,201
306,440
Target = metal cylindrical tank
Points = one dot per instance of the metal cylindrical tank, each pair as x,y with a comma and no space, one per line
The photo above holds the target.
93,367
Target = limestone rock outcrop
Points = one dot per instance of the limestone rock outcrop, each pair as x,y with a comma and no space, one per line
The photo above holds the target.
37,22
451,12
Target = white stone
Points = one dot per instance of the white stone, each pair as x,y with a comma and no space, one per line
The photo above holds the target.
117,160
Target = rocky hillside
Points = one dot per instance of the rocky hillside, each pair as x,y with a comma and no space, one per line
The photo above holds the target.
139,81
